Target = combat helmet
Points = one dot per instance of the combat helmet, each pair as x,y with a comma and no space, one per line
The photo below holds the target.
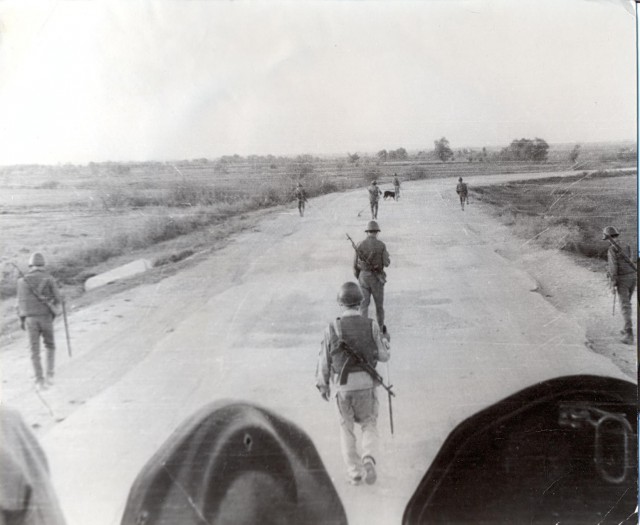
350,294
36,259
374,182
609,231
372,226
459,179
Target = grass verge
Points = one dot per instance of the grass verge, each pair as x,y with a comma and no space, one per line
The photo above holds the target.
567,213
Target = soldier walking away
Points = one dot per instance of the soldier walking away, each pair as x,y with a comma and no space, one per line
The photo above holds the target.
354,389
302,198
374,197
396,186
463,192
622,277
38,300
369,262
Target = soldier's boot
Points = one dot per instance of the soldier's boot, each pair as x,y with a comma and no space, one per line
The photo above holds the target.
628,338
370,475
385,333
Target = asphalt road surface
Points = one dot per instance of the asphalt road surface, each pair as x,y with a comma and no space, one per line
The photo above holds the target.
467,330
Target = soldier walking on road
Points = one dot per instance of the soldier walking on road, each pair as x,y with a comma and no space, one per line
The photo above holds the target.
300,194
354,389
38,297
622,276
374,197
396,186
463,192
370,260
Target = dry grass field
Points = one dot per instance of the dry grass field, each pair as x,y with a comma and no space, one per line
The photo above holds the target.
89,218
569,213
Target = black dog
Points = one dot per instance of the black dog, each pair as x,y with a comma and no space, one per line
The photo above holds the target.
388,194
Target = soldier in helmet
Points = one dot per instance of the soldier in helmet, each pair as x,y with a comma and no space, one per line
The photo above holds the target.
38,297
396,186
622,277
353,388
463,192
369,263
374,197
300,194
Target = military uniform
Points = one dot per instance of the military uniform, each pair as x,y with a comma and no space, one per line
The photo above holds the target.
37,316
374,197
396,186
302,198
463,192
355,394
623,277
370,273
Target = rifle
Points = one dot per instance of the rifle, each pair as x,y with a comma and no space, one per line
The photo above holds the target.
626,258
366,262
66,327
364,364
55,310
624,255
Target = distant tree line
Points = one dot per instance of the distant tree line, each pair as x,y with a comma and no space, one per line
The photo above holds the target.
526,149
393,154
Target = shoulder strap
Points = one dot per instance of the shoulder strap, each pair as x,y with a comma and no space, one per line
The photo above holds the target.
337,328
41,287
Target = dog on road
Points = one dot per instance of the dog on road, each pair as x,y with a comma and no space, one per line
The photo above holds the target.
388,194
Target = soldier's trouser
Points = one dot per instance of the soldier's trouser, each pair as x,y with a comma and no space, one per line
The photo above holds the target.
374,209
41,325
463,198
371,285
396,189
626,287
301,207
358,406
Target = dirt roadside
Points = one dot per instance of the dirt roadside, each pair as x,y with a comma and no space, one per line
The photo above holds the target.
578,289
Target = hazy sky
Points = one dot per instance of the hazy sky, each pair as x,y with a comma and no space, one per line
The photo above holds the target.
132,80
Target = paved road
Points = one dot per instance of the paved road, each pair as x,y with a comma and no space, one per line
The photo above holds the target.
246,324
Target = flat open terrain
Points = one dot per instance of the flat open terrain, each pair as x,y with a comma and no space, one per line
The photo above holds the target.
468,325
569,213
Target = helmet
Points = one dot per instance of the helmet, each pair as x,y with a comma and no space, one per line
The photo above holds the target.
374,183
459,179
372,226
350,294
609,231
36,259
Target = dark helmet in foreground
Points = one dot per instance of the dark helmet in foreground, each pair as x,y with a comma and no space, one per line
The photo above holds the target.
609,231
234,462
350,294
36,259
372,226
459,179
374,182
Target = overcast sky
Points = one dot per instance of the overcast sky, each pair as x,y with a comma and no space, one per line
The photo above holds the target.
91,81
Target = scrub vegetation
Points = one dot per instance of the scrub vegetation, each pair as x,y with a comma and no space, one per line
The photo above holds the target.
568,213
87,218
